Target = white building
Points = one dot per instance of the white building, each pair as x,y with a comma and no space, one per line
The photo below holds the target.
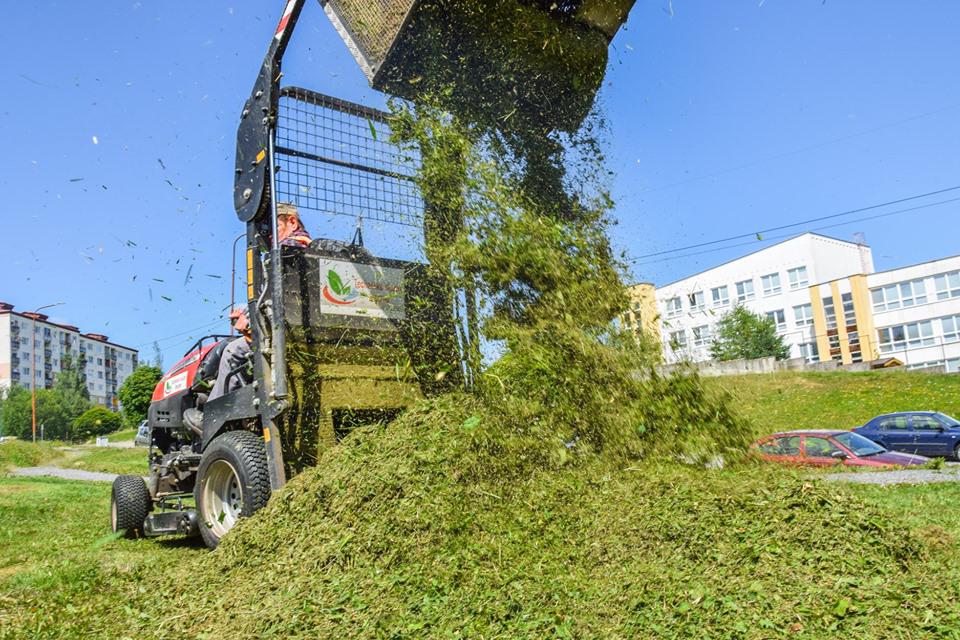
826,300
774,281
32,346
916,311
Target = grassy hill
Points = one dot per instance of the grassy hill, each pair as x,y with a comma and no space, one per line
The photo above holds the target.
399,533
836,400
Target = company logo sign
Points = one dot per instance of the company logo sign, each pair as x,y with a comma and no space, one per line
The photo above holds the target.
176,384
353,289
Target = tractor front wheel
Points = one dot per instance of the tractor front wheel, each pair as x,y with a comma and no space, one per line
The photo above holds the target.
129,505
232,483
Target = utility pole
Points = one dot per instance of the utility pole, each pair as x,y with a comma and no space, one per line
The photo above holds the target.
33,367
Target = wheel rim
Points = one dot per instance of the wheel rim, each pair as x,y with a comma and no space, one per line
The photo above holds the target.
222,497
113,514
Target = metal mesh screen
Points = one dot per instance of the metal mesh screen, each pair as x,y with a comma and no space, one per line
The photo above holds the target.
335,157
373,25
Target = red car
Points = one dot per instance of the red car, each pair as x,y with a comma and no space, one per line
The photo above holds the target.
824,448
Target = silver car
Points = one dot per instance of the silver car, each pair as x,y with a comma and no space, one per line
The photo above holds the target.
143,435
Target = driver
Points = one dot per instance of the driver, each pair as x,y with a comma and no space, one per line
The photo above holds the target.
290,228
291,233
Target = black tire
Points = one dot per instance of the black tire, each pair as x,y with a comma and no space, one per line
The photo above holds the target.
956,453
129,505
232,482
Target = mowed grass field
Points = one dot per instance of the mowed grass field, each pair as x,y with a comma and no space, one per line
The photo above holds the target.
63,575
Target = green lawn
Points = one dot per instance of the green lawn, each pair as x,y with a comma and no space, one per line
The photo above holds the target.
102,459
58,559
110,460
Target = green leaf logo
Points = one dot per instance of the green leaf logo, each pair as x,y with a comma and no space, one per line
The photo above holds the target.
333,278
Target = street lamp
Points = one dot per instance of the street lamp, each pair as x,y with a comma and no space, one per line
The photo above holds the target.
33,366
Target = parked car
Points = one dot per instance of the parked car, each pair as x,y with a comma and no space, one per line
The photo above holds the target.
143,435
827,448
926,433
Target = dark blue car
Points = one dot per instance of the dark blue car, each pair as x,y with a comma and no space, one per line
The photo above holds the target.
926,433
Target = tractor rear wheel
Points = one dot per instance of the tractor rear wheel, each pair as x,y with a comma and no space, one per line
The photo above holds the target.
233,482
129,505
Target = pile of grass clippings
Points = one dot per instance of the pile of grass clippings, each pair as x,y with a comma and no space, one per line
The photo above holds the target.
402,532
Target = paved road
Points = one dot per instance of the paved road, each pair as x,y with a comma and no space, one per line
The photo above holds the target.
950,473
66,474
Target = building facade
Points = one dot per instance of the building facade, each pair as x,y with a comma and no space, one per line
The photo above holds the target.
825,300
33,350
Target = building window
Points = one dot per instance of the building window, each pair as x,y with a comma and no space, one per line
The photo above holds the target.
720,296
808,351
803,315
798,277
674,307
951,328
701,336
947,285
896,296
833,341
830,312
779,319
100,360
678,340
696,301
906,336
849,313
853,340
770,284
745,291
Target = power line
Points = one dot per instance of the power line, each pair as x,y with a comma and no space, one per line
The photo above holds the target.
789,235
177,335
760,232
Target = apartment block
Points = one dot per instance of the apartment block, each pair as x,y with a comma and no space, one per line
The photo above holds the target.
825,298
32,350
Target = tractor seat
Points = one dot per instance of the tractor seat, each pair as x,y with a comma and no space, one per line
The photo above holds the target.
210,364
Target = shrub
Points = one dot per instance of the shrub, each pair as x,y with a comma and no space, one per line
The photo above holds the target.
96,421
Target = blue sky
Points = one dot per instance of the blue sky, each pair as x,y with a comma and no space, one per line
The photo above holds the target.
727,117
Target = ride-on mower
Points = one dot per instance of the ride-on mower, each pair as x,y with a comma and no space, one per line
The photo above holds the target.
339,336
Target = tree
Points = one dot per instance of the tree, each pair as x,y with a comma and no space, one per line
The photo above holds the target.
135,394
96,421
745,335
17,414
71,384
